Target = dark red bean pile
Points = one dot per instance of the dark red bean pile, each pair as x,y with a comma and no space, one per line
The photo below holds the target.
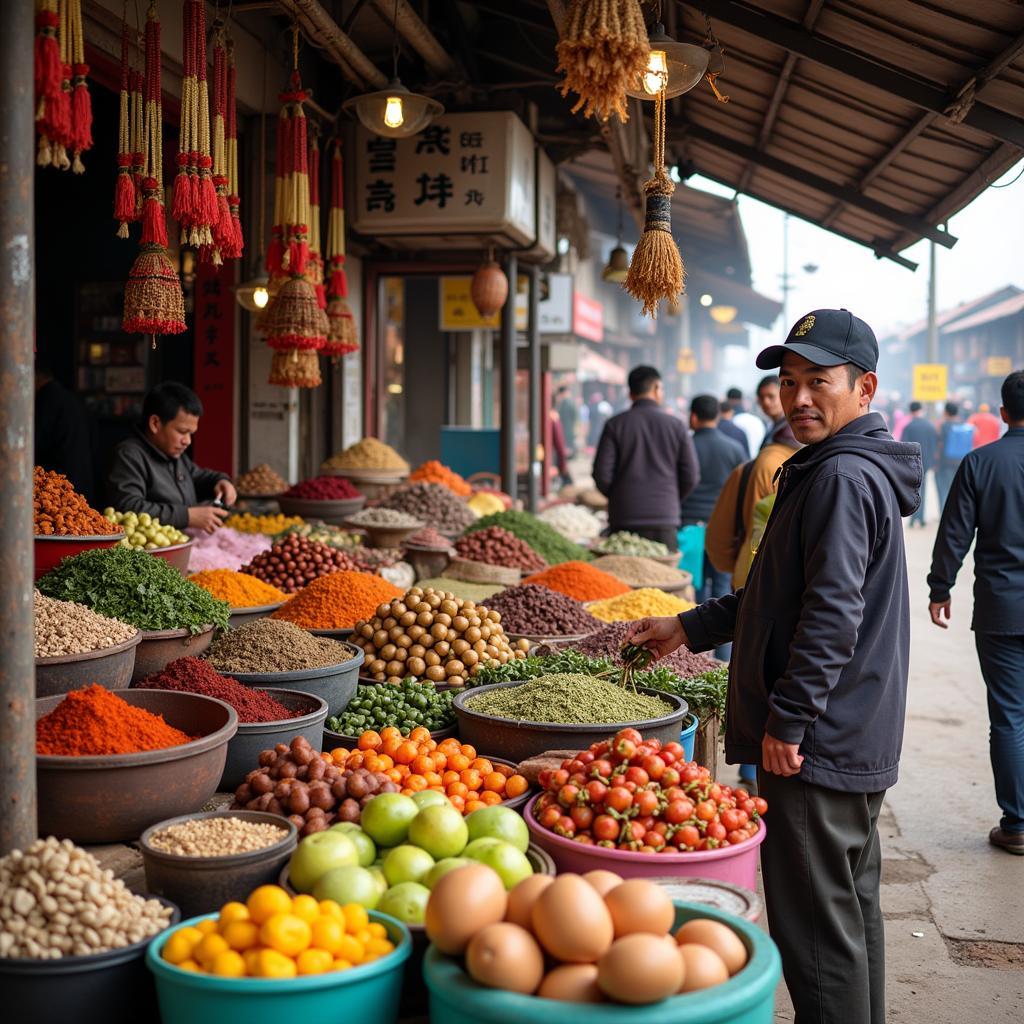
323,488
498,546
608,640
532,610
293,562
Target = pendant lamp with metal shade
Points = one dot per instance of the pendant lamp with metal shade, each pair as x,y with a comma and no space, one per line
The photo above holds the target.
618,259
394,112
672,66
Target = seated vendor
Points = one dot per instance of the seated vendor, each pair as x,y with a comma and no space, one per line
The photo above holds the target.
151,472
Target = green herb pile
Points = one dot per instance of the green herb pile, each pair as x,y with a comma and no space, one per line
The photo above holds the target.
704,694
136,587
623,542
547,542
569,698
405,706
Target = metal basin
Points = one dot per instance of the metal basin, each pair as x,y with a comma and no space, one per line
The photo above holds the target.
332,512
243,616
160,647
175,555
112,667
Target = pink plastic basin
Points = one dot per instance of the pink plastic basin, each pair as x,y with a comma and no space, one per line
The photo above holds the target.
734,864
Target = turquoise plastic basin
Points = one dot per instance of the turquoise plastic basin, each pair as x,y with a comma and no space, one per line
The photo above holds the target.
368,992
747,998
688,736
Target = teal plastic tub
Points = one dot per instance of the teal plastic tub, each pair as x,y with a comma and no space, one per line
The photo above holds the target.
369,992
746,998
688,736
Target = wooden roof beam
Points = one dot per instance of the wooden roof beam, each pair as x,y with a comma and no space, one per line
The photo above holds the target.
814,181
415,32
920,93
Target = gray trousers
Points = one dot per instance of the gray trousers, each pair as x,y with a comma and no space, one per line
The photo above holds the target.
821,862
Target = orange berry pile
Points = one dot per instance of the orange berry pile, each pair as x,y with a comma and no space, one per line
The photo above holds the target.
418,762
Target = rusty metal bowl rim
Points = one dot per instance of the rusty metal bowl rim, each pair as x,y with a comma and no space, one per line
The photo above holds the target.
170,634
68,538
100,652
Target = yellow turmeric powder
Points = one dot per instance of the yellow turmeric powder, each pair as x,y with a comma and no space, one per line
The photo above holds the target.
638,604
238,588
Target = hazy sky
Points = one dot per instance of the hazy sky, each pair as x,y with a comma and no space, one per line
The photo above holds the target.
886,295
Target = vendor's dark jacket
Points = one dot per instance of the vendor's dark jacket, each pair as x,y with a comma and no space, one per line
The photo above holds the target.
645,465
143,479
821,631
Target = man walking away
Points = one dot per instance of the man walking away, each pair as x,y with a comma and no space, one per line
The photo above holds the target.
746,421
726,425
566,409
645,463
818,677
919,431
987,427
768,399
987,497
956,440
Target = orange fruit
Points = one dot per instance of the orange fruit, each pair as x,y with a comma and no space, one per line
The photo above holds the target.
457,802
385,762
516,786
431,745
228,964
458,789
472,805
370,740
355,759
266,901
286,933
390,746
306,907
469,750
436,789
417,783
440,759
420,734
459,762
269,963
241,935
494,782
371,762
233,911
314,961
422,764
489,798
449,746
390,732
339,756
449,777
433,779
472,778
406,753
406,791
328,933
356,918
394,774
482,765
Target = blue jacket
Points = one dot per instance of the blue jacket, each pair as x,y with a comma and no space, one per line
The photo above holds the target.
821,631
987,497
920,431
717,456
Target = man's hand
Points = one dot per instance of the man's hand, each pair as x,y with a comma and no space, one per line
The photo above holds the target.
780,758
206,517
225,490
662,635
940,610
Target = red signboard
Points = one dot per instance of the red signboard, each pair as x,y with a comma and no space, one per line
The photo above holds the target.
214,366
587,318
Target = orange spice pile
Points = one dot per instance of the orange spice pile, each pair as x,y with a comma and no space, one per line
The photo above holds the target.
239,589
580,581
434,472
338,601
59,510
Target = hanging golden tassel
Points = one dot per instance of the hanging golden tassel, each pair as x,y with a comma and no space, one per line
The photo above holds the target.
656,271
603,50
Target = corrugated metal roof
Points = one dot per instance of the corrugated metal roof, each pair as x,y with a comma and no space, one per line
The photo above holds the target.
1009,307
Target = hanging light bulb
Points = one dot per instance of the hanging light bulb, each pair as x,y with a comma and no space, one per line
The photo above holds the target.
673,67
617,268
656,75
393,116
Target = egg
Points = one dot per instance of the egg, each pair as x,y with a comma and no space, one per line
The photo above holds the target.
522,898
505,956
603,881
571,921
638,905
702,967
641,969
461,904
572,983
718,937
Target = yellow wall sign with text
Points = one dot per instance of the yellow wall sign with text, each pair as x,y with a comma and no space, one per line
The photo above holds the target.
458,313
931,382
998,366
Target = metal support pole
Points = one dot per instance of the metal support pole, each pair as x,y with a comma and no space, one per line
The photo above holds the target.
933,325
17,328
536,412
509,476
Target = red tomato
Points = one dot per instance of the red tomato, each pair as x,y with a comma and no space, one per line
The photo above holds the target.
583,838
585,758
606,828
730,820
716,830
653,839
646,801
748,805
582,816
661,827
675,749
559,779
737,836
760,804
629,734
654,766
596,791
619,799
599,749
637,775
638,830
691,773
568,795
669,777
575,765
601,768
566,827
706,810
740,793
549,816
674,813
715,792
742,819
688,836
625,748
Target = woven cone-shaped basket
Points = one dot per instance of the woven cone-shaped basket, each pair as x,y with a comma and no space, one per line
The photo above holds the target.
295,369
294,320
342,336
489,288
153,303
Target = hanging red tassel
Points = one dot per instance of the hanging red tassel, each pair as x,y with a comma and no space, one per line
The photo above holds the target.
47,70
124,188
342,335
231,141
315,261
80,123
221,227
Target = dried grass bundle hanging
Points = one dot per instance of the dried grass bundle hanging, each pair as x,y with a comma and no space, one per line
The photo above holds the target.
295,370
656,271
603,49
342,336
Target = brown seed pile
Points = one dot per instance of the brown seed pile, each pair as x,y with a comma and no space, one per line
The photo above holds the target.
270,645
261,479
533,610
63,627
216,837
432,504
639,572
498,546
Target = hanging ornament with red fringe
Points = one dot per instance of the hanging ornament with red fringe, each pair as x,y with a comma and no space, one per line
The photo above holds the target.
47,78
153,302
315,260
222,229
137,130
342,337
237,246
80,125
183,198
124,187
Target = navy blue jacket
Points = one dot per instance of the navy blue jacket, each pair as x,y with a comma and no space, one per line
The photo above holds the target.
717,456
987,496
645,466
730,430
821,631
920,431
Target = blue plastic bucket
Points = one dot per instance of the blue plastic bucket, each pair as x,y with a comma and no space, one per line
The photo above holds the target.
688,736
691,552
367,992
746,998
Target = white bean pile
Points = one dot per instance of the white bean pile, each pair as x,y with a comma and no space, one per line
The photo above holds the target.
574,522
63,627
216,837
56,901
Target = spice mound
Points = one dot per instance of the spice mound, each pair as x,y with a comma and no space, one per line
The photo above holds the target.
385,517
574,522
580,581
496,546
547,542
293,562
323,488
323,533
135,587
216,837
623,542
94,721
369,453
58,902
638,604
467,591
639,572
337,601
190,675
607,643
248,523
568,698
434,472
261,479
60,511
432,503
266,646
239,589
63,627
532,610
428,537
225,549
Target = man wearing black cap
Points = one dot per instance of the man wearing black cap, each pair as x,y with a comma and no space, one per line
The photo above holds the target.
818,677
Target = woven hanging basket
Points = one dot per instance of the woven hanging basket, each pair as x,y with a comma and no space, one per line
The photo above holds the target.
153,303
294,319
295,369
489,288
342,336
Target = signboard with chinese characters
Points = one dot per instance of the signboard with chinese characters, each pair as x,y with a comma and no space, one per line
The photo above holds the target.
466,176
587,318
931,382
546,244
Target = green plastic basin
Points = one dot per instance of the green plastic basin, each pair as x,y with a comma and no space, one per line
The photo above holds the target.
746,998
369,992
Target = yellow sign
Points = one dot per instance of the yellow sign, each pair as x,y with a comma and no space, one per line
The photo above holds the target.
998,366
686,361
931,382
458,313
